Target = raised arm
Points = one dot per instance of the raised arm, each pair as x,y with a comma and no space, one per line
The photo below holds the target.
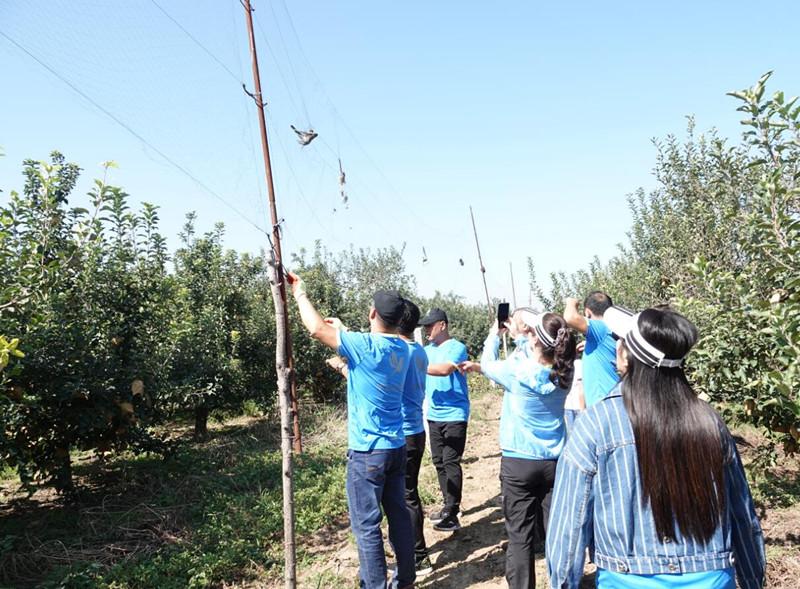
499,371
313,321
573,316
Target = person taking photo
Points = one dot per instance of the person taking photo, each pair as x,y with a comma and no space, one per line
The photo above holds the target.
532,429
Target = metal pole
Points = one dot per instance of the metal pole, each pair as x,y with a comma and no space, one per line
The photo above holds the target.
483,268
290,429
513,290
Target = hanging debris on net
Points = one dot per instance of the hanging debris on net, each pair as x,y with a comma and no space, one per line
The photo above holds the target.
304,137
342,182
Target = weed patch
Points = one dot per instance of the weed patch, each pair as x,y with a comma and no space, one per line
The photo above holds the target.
210,514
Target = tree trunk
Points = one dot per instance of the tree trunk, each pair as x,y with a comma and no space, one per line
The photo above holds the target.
62,478
201,422
285,379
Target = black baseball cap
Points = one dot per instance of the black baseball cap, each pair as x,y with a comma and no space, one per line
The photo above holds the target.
389,305
434,315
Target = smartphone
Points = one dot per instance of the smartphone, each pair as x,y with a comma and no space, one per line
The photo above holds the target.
502,313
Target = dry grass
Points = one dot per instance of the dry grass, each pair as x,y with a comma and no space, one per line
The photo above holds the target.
120,534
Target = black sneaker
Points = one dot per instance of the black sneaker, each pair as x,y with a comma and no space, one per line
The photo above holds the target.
439,515
448,524
424,566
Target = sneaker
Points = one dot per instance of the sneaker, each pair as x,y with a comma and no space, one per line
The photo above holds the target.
443,513
424,566
448,524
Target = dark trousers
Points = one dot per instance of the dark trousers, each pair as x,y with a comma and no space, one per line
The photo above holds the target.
527,485
415,448
448,439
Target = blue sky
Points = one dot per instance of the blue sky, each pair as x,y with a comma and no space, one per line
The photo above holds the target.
539,115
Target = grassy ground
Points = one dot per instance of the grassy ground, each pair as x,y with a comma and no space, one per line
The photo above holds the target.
209,516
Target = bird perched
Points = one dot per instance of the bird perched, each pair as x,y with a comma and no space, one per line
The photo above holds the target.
304,137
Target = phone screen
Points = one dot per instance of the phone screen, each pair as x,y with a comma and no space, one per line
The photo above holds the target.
502,313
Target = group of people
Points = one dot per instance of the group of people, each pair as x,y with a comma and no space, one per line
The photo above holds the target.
612,452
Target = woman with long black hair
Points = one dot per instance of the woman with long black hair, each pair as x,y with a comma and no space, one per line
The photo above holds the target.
532,429
650,480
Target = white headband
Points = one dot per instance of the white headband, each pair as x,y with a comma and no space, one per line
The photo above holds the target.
534,321
543,336
644,351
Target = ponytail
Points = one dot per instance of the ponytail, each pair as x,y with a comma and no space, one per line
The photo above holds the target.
563,350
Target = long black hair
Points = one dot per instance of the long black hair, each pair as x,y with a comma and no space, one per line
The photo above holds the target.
679,445
562,354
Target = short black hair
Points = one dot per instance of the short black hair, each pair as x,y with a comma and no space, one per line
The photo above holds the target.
597,302
410,318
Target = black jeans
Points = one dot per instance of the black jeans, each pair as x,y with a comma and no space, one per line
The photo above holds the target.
526,485
415,448
448,439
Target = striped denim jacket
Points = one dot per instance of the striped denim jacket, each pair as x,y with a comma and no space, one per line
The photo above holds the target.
597,504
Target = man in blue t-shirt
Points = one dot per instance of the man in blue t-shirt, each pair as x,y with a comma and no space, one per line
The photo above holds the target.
600,354
377,363
414,430
448,412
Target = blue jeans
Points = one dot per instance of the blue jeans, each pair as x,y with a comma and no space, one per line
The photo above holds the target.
376,479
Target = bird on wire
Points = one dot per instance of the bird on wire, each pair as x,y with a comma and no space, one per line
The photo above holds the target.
304,137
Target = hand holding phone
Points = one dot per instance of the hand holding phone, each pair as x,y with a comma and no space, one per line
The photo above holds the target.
502,314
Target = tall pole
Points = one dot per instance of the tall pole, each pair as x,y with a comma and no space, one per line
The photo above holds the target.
513,290
287,398
273,211
483,268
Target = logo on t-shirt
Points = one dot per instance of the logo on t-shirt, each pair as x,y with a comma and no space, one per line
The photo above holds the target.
396,362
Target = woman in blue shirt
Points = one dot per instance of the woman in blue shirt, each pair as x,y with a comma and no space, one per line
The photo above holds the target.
531,429
650,480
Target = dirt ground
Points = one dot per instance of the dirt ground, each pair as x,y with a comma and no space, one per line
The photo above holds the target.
472,557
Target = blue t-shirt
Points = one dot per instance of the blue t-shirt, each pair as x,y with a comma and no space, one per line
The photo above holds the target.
377,367
532,419
448,397
719,579
599,362
414,390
